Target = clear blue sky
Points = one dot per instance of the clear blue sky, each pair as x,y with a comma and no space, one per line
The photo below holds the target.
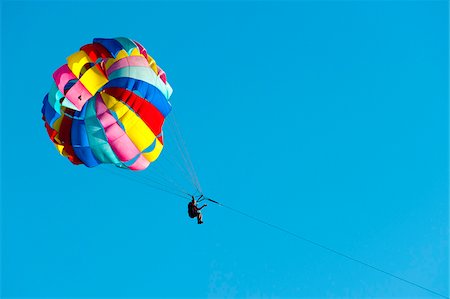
329,119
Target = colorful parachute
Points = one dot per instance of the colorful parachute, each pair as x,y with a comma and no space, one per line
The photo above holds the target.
108,105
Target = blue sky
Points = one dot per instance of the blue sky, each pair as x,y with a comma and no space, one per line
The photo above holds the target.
329,119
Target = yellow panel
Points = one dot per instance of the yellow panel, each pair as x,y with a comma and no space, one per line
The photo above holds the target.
153,155
152,64
108,100
140,134
109,62
135,52
111,102
121,54
129,118
57,123
60,148
136,129
93,80
76,62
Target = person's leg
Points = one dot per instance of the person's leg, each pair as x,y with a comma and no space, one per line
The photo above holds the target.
199,218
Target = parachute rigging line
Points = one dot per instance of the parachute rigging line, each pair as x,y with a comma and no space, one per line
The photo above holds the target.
329,249
184,147
186,167
148,182
183,171
167,179
295,235
186,163
181,145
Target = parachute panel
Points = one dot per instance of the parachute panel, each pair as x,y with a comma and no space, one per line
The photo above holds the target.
108,105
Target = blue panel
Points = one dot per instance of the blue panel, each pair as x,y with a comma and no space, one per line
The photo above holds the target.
119,122
49,113
127,44
129,163
85,154
145,90
151,147
80,141
110,44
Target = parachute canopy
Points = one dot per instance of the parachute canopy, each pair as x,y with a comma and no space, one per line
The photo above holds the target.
108,105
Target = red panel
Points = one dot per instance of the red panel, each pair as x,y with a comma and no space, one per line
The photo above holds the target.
65,137
141,49
51,132
95,51
162,75
144,109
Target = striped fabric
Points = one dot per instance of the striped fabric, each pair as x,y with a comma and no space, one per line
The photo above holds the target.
108,105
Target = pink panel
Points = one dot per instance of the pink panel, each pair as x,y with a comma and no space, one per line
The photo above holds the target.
106,119
123,147
140,164
119,141
127,61
114,131
62,76
100,106
78,95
